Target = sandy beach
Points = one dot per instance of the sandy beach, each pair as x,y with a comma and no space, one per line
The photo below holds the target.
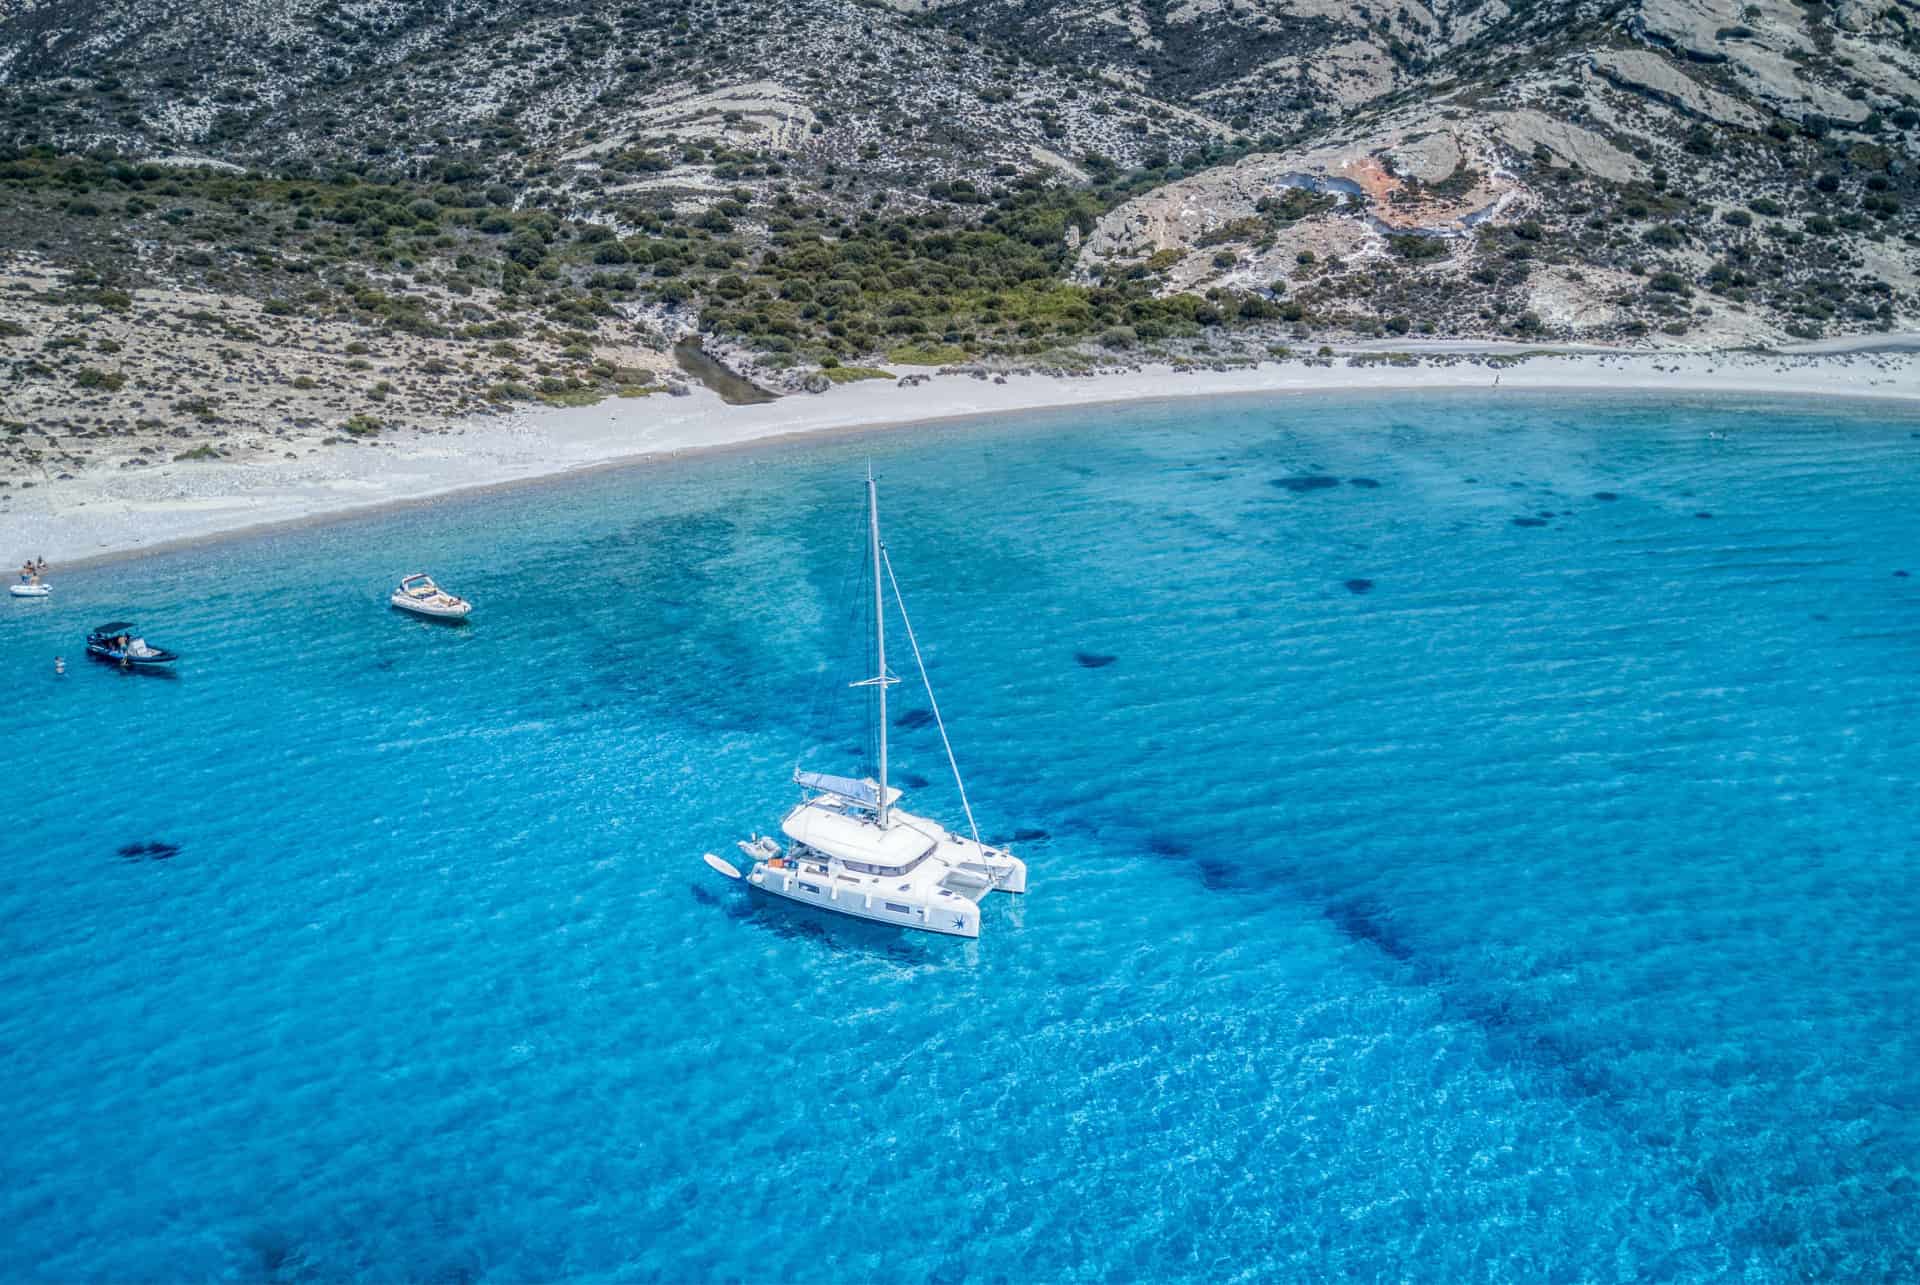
105,513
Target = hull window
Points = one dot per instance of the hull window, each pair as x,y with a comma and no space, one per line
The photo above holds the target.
886,872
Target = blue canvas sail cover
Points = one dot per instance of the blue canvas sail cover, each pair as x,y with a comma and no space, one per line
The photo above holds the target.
865,793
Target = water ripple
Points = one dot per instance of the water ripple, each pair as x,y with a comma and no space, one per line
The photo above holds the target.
1544,913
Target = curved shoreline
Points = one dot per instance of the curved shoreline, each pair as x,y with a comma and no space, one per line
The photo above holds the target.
109,515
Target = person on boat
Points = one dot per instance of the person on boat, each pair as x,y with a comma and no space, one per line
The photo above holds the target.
26,571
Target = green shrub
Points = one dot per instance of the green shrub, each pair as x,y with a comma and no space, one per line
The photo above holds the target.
1418,248
93,377
927,355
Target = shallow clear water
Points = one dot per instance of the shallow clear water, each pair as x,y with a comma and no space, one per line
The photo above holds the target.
1543,912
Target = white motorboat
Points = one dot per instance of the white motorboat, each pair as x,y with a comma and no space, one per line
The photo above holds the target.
850,849
33,590
420,595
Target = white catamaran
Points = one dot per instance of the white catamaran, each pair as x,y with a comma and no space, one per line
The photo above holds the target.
849,849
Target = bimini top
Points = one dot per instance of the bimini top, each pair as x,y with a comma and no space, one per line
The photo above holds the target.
855,838
865,793
114,627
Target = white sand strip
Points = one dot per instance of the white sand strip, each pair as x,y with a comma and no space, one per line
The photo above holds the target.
108,512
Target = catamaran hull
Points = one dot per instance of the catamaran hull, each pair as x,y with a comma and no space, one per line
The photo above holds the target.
959,919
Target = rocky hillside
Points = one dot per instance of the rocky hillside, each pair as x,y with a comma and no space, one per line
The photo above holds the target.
543,192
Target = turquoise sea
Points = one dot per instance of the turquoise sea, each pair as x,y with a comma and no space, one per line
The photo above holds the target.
1472,839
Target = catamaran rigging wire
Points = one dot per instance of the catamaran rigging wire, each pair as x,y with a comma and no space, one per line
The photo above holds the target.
932,701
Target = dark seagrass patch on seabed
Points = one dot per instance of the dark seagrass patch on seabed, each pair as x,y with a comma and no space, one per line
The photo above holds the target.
1301,483
1364,483
1513,1033
1218,876
914,718
1364,920
1529,521
913,781
1358,585
1606,496
1093,659
151,850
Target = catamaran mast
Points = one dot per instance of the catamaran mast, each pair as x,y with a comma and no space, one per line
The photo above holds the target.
879,634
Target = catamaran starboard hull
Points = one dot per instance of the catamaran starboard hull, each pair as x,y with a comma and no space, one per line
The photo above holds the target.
950,916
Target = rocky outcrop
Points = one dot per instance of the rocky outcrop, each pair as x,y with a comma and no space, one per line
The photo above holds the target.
1855,15
1646,72
1782,85
1693,27
1575,145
